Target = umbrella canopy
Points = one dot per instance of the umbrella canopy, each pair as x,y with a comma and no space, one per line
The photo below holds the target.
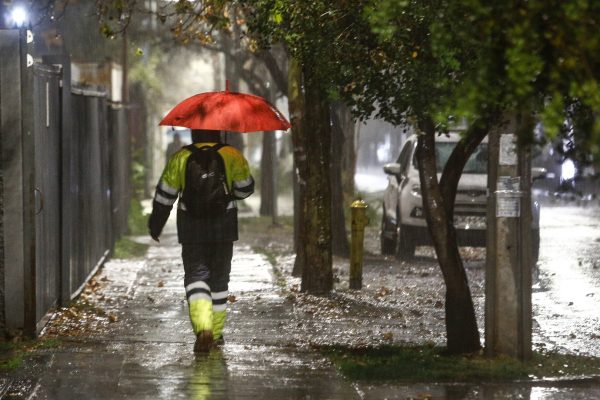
226,111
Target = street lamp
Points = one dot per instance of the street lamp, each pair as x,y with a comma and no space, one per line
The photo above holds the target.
19,16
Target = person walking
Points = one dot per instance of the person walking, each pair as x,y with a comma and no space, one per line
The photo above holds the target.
206,240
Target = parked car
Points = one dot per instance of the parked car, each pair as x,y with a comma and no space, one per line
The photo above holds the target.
403,226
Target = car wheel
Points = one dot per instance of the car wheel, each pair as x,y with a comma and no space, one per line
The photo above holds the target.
387,237
406,243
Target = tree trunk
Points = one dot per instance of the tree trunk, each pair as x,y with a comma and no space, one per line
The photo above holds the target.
339,244
350,130
297,116
233,70
317,277
267,175
462,334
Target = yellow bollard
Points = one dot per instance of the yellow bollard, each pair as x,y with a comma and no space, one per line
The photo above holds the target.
359,221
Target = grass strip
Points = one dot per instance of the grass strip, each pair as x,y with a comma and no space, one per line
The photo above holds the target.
429,364
12,354
126,248
137,222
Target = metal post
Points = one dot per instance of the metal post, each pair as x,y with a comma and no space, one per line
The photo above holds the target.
359,222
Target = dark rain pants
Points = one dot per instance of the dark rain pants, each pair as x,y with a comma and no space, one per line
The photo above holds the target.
207,267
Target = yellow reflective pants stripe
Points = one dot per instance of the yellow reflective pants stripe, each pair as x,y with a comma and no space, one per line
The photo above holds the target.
219,318
201,315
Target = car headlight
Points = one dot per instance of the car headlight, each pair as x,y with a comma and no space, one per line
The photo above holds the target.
416,190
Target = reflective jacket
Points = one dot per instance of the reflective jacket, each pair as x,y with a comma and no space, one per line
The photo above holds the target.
189,228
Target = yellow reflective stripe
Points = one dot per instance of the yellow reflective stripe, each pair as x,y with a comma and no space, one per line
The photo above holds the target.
173,175
201,315
219,318
235,164
219,307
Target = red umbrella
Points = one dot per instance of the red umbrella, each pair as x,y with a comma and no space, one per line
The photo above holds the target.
226,111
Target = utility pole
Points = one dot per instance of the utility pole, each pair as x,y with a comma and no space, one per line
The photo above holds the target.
509,250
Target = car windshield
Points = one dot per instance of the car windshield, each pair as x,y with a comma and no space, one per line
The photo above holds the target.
477,163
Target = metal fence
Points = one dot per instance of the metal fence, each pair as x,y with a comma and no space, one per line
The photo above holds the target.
79,160
47,163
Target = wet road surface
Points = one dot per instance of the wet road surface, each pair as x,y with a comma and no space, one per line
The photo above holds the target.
566,301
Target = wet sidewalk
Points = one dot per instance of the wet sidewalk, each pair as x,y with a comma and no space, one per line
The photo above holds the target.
144,349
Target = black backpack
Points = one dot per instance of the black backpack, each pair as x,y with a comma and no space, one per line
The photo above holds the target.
205,194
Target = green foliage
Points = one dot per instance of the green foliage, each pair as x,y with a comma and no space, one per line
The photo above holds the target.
321,35
136,219
145,71
14,352
430,364
11,363
127,248
138,173
535,57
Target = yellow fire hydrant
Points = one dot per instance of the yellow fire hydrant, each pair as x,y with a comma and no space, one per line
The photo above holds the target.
359,221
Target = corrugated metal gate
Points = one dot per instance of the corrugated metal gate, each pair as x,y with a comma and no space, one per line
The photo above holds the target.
46,92
92,229
65,189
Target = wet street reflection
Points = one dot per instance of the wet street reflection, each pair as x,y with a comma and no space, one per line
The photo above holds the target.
209,378
567,299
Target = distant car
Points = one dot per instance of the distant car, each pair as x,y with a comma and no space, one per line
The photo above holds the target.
403,226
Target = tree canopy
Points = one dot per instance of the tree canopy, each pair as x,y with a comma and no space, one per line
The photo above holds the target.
536,55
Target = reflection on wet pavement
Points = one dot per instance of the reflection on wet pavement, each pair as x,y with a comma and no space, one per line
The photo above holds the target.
567,300
146,353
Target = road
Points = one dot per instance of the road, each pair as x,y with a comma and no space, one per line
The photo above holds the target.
566,300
